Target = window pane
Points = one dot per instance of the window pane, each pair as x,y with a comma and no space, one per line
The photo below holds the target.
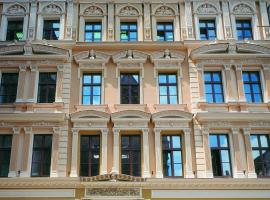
256,155
225,156
172,78
264,142
166,142
254,141
162,78
176,141
162,90
96,100
177,157
178,170
163,100
226,169
208,88
86,90
223,141
96,90
213,141
173,90
173,100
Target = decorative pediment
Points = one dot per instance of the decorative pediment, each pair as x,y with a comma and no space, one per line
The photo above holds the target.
92,58
89,115
16,10
167,58
128,11
93,11
172,114
52,9
130,114
229,50
130,58
207,8
164,11
243,9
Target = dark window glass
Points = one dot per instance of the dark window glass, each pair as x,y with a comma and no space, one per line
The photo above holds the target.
130,89
46,87
252,86
164,31
51,29
220,153
261,154
41,159
5,151
172,155
128,31
14,30
91,89
90,155
93,32
207,29
213,87
131,155
168,91
268,12
244,29
8,87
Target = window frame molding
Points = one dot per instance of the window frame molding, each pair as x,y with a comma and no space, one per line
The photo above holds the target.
6,16
98,17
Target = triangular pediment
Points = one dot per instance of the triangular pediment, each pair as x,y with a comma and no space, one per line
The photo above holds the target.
130,56
91,56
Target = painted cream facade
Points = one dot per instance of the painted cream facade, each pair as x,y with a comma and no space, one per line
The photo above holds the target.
193,118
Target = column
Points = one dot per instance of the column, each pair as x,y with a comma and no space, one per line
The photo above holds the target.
264,18
158,151
110,34
189,21
33,84
74,154
14,152
250,162
188,157
201,82
266,72
147,21
104,169
226,20
229,85
207,151
115,167
240,86
21,84
146,167
69,18
140,28
177,28
220,33
55,151
3,28
59,83
32,21
27,154
238,172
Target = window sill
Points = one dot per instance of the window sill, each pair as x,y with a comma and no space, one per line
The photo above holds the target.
121,107
39,107
7,107
101,107
163,107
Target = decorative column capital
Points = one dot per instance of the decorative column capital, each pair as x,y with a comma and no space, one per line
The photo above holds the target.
205,130
246,131
22,68
145,131
116,131
227,67
56,130
238,67
16,130
75,131
33,68
200,67
60,68
235,131
186,131
28,130
157,130
104,131
266,67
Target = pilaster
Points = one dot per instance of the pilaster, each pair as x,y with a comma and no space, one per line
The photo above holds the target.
229,85
28,149
266,72
115,167
200,69
74,155
240,86
13,167
189,21
21,84
59,83
55,151
159,172
188,157
110,35
104,169
146,166
32,21
31,98
207,151
147,22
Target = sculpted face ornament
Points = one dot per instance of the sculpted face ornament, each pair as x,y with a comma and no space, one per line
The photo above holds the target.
167,54
129,54
92,54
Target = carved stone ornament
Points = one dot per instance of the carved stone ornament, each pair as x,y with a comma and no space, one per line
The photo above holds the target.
164,11
128,11
16,10
113,177
93,11
113,192
206,9
52,9
242,9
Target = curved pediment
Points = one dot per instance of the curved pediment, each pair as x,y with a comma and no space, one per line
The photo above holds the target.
16,9
130,56
172,114
91,56
90,114
131,114
229,49
206,8
167,56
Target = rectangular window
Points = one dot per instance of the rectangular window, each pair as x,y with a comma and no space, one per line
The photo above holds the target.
244,29
252,86
93,32
130,89
131,155
172,155
213,87
41,159
168,92
46,87
90,155
14,30
91,89
220,153
207,29
165,31
8,87
261,154
51,29
128,31
5,151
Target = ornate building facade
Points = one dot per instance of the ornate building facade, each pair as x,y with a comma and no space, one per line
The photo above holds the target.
134,99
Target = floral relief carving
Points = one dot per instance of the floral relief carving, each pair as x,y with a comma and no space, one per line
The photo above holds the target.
52,9
242,9
206,9
93,11
16,10
164,11
128,11
129,192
